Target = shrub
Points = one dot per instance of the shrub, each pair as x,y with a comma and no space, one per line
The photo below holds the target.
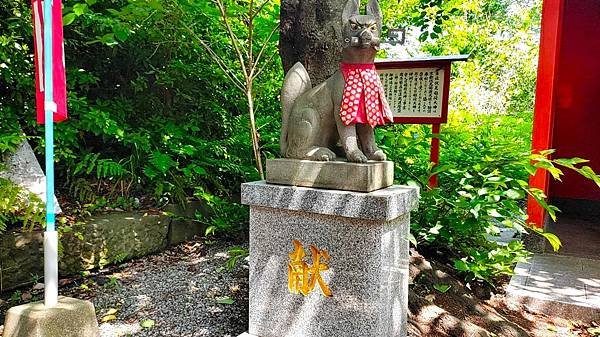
483,187
19,208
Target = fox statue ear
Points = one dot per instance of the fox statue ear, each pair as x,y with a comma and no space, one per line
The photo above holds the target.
350,9
374,10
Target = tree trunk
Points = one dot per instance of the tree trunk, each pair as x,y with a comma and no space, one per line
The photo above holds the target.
311,33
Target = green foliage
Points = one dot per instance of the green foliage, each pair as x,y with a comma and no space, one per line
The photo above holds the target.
224,214
236,254
150,112
9,142
483,179
485,147
15,298
19,207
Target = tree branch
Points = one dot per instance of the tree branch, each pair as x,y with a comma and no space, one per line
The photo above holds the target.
236,82
232,37
258,10
262,50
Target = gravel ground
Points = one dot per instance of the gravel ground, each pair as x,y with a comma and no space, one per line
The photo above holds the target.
186,291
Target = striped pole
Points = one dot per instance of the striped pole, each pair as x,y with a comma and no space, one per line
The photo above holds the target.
50,236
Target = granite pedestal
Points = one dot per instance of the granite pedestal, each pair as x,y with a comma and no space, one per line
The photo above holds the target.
339,174
366,236
69,318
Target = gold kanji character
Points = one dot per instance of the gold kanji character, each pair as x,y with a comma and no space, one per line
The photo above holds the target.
303,277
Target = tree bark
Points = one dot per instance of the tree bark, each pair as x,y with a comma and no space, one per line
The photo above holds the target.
311,33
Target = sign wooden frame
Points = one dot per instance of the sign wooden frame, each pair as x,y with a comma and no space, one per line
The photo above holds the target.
439,62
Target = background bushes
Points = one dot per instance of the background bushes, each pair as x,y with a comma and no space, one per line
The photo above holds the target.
153,119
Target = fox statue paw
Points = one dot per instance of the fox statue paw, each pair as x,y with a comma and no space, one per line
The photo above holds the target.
357,156
378,155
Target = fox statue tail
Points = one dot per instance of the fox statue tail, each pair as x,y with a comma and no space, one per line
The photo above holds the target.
296,82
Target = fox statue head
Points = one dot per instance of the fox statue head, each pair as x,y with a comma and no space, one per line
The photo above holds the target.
361,32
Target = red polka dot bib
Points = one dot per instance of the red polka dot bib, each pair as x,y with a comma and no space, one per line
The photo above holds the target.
363,100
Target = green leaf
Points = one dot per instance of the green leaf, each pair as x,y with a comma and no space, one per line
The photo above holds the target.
475,210
494,213
423,36
162,162
147,323
442,288
200,171
553,240
461,265
80,9
435,229
69,18
513,194
570,161
412,239
120,32
225,300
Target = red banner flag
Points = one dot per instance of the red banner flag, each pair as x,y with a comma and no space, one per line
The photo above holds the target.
58,60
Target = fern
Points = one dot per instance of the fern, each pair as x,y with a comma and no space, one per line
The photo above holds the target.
82,191
19,207
108,168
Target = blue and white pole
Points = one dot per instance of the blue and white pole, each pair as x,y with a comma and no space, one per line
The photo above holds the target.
50,236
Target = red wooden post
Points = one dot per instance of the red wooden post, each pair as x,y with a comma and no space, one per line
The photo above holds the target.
434,153
545,98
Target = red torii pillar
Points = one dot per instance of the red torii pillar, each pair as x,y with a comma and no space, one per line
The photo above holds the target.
567,97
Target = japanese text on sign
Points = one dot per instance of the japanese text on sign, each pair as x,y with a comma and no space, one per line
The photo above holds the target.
414,92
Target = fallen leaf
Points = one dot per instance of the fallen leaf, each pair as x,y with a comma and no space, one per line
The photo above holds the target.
594,331
108,318
38,286
147,323
111,311
225,300
26,296
443,288
64,281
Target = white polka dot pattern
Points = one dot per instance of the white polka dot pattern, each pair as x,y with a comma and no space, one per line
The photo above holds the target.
363,100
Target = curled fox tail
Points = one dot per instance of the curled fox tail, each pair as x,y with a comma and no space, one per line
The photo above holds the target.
296,82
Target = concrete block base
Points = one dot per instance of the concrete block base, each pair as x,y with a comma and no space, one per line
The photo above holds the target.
70,318
365,236
338,175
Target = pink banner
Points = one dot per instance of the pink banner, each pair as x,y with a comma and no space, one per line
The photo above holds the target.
58,60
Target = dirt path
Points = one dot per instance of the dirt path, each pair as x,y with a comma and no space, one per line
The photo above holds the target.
187,291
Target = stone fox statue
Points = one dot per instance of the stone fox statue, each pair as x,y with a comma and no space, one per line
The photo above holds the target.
345,108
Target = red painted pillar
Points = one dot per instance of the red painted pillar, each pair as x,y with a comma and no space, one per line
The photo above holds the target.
552,13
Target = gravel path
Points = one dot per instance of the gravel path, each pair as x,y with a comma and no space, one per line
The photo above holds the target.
185,291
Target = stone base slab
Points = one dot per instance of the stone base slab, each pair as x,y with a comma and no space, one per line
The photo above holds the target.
338,175
70,318
366,237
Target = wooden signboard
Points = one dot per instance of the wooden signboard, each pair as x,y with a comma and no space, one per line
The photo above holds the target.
417,91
